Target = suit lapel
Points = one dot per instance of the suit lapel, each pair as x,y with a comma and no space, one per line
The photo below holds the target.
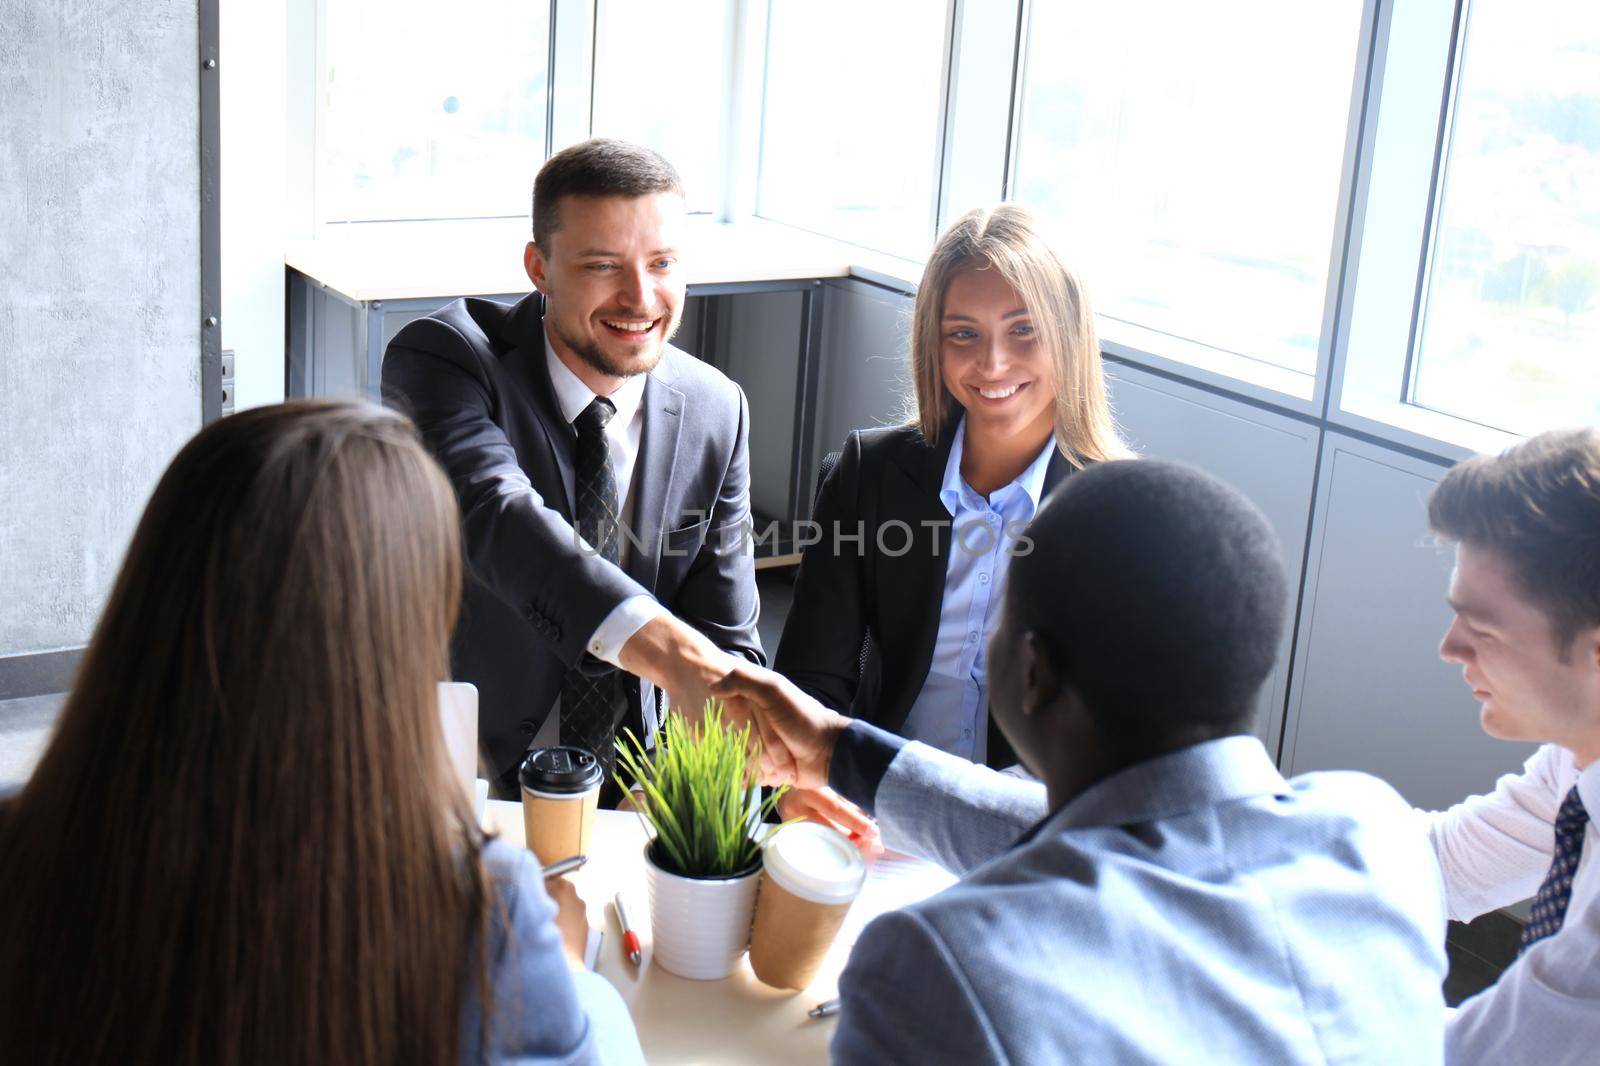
662,406
1058,469
911,489
524,332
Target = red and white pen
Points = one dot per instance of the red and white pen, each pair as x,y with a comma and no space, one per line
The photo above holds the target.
630,939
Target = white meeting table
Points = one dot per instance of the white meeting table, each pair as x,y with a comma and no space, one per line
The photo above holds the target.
737,1020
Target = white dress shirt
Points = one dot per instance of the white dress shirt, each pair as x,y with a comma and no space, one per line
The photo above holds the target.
623,434
1494,850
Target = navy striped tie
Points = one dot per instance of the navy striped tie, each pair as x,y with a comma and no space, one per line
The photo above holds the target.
1550,905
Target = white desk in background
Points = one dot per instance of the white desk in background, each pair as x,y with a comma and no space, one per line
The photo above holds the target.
737,1020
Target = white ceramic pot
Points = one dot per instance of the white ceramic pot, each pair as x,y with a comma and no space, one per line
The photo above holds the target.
699,928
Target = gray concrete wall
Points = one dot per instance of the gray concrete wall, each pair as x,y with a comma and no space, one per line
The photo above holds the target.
99,293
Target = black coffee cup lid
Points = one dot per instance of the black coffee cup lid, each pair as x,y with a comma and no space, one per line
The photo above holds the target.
565,768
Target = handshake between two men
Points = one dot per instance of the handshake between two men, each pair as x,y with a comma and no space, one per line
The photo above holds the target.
798,736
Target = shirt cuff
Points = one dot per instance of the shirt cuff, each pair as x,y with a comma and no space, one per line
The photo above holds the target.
625,619
860,759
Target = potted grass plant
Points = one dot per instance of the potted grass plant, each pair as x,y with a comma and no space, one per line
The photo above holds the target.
703,861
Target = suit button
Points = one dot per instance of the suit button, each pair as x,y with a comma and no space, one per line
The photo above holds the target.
527,728
554,631
528,612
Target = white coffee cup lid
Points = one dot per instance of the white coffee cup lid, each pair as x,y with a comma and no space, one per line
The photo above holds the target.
815,862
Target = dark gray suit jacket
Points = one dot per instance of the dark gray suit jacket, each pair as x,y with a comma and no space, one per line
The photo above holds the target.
473,377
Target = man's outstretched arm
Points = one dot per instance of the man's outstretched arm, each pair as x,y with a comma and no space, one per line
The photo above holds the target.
522,548
929,804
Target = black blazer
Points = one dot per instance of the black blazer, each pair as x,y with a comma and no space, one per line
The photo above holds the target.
473,377
842,596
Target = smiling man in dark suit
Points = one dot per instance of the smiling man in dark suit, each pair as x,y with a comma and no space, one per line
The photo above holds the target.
603,474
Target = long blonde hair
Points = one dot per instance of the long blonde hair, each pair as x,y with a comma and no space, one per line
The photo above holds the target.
243,843
1007,238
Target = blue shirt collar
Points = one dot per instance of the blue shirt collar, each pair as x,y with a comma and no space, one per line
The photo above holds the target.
1211,772
1204,775
958,496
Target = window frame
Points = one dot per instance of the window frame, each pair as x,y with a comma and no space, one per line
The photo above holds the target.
1244,375
1403,87
567,105
755,50
1412,88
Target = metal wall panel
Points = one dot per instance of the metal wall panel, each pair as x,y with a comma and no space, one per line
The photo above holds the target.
1370,691
1268,456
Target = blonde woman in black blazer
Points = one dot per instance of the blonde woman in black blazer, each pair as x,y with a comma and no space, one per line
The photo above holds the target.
1010,398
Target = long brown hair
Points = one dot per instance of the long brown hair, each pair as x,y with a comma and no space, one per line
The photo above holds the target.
1007,238
243,843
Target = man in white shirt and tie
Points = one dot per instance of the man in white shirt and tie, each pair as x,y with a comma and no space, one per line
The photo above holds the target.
1526,593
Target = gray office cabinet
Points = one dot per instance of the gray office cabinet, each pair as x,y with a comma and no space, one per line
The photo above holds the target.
1268,456
1370,691
859,378
755,346
865,374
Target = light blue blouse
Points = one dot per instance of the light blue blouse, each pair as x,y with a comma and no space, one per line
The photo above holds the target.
542,1014
951,711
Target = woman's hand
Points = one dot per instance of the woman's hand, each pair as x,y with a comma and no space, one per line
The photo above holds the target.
826,806
572,919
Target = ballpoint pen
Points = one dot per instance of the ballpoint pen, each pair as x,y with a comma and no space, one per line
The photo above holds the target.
565,866
630,939
825,1009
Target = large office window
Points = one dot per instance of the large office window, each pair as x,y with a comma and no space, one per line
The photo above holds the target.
1189,156
851,119
660,79
430,116
1510,329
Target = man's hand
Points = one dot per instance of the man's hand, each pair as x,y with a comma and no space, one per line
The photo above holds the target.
826,806
572,919
797,733
679,659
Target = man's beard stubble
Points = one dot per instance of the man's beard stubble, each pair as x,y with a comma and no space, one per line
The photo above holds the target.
592,354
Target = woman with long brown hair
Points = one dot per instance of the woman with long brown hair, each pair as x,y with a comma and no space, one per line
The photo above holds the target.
243,843
894,604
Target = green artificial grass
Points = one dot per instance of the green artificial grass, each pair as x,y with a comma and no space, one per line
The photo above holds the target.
697,794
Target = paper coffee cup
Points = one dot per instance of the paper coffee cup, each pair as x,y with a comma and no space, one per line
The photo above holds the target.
810,876
560,790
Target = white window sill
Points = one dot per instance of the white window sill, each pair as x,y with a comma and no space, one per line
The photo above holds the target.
1419,428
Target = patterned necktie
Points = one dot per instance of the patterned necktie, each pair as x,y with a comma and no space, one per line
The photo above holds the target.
1550,905
589,703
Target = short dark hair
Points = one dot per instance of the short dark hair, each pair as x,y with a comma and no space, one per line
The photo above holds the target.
1536,506
1159,593
596,167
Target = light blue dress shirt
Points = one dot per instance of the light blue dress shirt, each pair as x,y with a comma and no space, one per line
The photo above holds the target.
951,711
542,1014
1193,908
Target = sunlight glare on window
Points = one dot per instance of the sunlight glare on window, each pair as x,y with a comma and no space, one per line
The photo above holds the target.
676,110
1510,332
424,116
1189,157
850,123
